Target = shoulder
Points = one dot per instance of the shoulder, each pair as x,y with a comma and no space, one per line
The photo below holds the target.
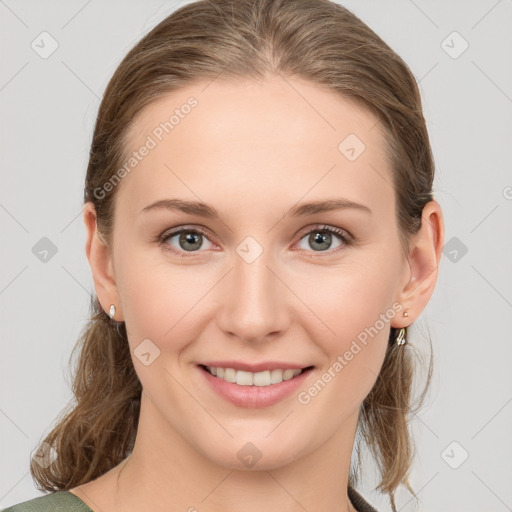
360,504
60,501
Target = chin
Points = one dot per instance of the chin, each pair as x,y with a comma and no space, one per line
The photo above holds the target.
258,454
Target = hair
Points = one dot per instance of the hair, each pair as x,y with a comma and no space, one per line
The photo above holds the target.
316,40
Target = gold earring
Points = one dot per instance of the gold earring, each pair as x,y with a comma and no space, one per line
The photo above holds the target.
400,339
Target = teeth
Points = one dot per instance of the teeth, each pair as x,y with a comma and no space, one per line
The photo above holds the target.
242,378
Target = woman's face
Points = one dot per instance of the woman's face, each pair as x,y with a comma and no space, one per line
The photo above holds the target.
261,282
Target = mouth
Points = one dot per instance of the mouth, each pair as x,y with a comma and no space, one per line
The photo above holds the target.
254,390
255,379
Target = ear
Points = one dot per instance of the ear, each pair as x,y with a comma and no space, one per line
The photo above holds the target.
425,250
100,261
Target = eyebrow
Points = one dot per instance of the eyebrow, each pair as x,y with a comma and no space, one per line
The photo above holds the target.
204,210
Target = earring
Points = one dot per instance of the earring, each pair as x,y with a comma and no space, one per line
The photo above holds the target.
112,311
400,339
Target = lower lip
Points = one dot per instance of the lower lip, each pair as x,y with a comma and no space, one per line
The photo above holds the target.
254,396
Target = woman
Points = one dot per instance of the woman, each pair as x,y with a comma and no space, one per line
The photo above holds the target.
261,232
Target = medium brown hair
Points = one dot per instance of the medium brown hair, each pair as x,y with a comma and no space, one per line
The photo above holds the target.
316,40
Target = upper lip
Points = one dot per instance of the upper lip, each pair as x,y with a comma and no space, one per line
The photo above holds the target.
254,368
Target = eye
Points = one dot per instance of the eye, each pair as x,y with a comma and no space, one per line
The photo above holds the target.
190,240
187,240
322,236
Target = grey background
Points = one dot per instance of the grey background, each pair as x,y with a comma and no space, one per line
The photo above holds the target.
48,107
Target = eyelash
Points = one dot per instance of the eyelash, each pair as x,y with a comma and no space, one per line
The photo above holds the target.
343,235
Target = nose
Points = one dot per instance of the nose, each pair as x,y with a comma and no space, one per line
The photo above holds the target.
254,302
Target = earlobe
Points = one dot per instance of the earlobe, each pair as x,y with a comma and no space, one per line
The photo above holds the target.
100,261
424,257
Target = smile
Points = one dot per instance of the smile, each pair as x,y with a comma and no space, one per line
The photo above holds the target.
254,390
244,378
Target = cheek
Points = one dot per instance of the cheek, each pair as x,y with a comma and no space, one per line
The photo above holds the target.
160,300
350,310
344,300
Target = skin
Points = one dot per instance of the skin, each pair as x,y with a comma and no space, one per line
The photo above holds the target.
253,150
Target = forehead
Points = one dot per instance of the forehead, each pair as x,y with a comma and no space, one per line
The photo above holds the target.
279,136
259,108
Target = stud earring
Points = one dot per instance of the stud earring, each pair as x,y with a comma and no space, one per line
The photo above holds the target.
112,311
405,313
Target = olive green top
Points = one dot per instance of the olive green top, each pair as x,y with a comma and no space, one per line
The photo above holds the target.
64,501
60,501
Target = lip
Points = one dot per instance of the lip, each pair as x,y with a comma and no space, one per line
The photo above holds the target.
254,396
255,368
